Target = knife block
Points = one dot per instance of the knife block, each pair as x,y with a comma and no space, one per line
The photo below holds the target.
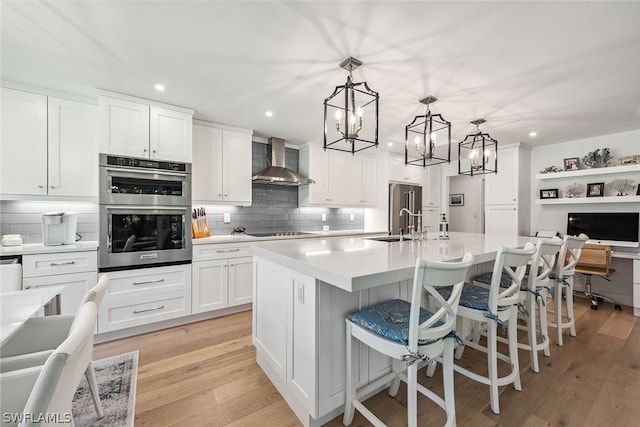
200,229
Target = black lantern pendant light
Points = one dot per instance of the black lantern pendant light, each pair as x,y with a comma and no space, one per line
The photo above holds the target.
355,114
421,136
477,153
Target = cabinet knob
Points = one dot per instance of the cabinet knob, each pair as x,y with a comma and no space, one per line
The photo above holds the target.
144,149
226,195
52,186
219,194
40,186
154,151
514,200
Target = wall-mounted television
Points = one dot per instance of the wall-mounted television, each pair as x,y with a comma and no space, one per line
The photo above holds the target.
606,228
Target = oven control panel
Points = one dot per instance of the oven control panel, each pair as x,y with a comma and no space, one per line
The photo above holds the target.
138,163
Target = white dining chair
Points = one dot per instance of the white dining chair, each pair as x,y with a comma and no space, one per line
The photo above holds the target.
42,395
409,334
36,340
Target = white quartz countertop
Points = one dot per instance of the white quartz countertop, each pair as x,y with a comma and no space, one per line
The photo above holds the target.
239,238
356,263
39,248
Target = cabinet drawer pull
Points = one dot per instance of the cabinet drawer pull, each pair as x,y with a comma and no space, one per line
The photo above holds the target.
148,282
148,309
222,251
58,264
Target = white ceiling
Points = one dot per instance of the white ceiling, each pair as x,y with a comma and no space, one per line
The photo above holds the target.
566,70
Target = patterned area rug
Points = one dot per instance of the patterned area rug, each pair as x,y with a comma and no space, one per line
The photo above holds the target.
116,378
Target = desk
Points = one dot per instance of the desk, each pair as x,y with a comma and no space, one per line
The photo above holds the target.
635,257
18,306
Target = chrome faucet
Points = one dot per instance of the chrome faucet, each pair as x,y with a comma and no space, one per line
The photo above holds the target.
418,228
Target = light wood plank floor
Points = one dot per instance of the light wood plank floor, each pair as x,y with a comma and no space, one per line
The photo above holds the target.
205,374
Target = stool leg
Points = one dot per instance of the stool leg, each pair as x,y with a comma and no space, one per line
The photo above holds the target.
447,377
544,328
350,385
569,298
492,360
512,331
557,302
396,365
412,395
532,331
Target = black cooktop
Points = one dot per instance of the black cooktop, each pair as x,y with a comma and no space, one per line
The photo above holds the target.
278,234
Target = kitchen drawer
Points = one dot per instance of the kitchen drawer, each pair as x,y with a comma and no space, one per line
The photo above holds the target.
220,251
129,283
141,311
75,287
59,263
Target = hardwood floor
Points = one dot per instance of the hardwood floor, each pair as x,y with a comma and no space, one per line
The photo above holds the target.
205,374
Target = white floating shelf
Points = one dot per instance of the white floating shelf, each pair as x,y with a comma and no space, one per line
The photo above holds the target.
588,200
589,172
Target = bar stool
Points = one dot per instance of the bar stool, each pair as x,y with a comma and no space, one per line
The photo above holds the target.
563,284
409,333
496,306
533,294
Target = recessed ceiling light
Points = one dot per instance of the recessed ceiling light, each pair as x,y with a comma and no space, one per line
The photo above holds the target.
159,87
268,113
390,144
532,134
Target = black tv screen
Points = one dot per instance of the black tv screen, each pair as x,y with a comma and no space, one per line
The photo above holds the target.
610,228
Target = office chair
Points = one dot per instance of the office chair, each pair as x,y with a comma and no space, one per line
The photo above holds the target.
595,260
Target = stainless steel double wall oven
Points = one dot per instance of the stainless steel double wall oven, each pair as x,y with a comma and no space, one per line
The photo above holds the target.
145,213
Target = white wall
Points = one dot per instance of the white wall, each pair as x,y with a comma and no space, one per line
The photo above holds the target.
554,217
469,217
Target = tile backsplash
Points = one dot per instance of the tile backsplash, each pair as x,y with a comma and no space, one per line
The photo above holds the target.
24,218
274,208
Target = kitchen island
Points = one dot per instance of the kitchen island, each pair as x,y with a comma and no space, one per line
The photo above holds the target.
304,289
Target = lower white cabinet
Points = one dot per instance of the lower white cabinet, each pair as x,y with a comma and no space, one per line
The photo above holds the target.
76,271
636,287
222,276
501,219
146,295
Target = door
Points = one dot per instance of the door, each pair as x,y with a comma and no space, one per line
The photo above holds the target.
23,154
125,127
207,164
72,148
240,281
236,166
210,280
170,134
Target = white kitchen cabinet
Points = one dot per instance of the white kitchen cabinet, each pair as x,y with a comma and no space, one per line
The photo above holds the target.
329,171
361,179
507,203
141,128
146,295
431,187
48,146
77,271
409,174
222,276
501,219
221,170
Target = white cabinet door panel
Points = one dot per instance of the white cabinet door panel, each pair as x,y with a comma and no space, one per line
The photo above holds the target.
240,281
501,219
24,143
210,290
236,156
206,181
75,287
170,134
125,127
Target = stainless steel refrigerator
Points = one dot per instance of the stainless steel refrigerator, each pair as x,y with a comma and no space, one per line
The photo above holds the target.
403,196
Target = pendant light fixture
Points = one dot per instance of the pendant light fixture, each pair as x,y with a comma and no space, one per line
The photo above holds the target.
477,153
421,136
351,119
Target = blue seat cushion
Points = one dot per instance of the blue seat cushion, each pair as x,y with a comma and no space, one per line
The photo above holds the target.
390,320
475,297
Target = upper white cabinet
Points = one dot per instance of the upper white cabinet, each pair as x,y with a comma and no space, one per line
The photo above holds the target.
432,182
48,146
221,170
329,171
140,128
341,179
410,174
361,179
502,188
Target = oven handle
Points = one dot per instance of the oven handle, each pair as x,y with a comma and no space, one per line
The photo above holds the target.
181,175
147,208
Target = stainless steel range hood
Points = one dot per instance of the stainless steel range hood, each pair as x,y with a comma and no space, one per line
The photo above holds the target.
276,173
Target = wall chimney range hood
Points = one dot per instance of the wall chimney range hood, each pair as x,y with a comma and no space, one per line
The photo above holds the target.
276,173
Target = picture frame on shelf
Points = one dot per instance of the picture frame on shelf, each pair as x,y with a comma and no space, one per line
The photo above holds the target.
456,199
595,189
571,164
628,160
549,193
